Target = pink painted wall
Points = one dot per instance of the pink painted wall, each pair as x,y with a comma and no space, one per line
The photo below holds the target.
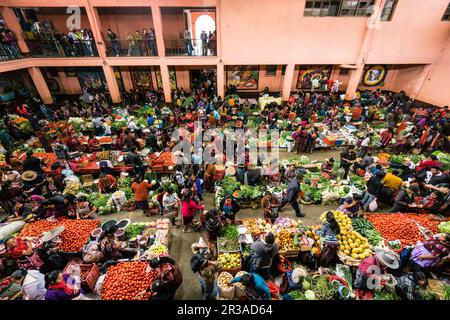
293,38
416,33
405,78
119,21
59,17
436,87
173,23
67,85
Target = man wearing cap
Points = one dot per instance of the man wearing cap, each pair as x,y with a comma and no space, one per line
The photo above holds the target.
370,271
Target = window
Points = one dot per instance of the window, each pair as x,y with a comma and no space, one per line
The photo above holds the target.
343,71
271,70
446,16
322,8
283,70
356,8
388,9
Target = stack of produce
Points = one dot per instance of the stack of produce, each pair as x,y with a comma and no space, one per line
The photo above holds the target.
229,232
227,245
351,243
314,288
444,227
256,226
248,193
367,230
230,261
126,280
403,227
101,202
135,229
285,240
75,235
165,159
224,280
157,250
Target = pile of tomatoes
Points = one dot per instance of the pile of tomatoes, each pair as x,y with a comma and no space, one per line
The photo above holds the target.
403,227
126,280
73,238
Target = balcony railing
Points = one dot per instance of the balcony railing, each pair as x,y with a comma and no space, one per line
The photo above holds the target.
195,47
61,48
10,51
125,48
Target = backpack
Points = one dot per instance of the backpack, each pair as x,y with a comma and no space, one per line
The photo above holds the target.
196,262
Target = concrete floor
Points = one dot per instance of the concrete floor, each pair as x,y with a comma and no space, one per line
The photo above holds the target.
180,247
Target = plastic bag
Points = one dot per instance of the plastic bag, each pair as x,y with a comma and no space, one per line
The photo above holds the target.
373,205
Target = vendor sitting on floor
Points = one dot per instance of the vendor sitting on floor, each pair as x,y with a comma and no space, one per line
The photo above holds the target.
327,168
107,183
352,205
84,209
381,261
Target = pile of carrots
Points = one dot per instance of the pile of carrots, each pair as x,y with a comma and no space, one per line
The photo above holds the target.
126,280
74,236
403,227
164,159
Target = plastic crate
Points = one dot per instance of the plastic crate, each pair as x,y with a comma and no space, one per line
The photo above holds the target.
92,273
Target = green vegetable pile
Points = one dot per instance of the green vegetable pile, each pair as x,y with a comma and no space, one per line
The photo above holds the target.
135,229
322,288
443,158
229,185
227,245
124,182
446,292
297,295
384,294
230,232
100,201
358,182
427,295
444,227
248,192
367,230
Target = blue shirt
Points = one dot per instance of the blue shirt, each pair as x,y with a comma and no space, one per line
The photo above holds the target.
260,286
150,120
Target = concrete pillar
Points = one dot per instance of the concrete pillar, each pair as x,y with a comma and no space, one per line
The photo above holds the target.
420,81
287,82
220,80
166,82
158,26
112,83
94,22
40,84
353,83
218,28
13,24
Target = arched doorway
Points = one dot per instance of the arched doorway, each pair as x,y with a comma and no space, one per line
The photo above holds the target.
204,23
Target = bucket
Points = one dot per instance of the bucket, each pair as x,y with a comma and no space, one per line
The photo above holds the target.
95,233
344,292
120,234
